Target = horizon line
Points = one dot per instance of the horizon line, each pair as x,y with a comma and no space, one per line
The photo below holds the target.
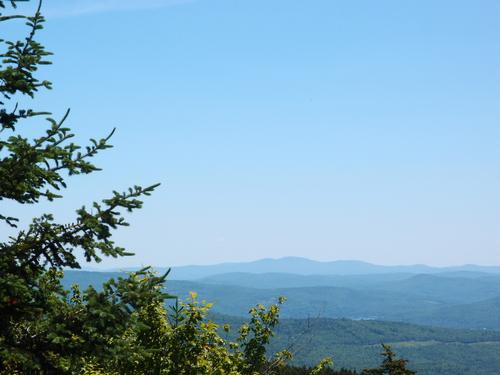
291,257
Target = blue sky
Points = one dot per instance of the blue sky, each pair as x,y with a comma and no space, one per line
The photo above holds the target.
326,129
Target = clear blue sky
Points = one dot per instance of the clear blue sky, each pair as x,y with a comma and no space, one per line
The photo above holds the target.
327,129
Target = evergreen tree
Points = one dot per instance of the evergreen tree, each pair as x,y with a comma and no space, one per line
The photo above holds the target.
390,365
43,326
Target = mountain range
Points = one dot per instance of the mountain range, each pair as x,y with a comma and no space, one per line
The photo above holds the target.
454,298
304,266
445,320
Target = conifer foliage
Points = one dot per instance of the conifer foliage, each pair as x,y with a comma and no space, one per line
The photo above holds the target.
390,364
43,327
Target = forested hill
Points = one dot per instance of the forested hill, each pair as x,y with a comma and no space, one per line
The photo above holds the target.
356,344
450,301
304,266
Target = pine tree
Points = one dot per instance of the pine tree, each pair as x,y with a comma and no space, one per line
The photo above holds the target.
43,327
390,365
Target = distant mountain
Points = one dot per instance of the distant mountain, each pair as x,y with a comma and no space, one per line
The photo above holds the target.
289,280
303,302
319,301
294,265
87,278
447,289
304,266
442,287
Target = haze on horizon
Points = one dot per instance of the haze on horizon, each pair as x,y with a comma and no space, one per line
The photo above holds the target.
322,129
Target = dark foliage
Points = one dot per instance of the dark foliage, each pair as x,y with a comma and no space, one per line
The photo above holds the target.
294,370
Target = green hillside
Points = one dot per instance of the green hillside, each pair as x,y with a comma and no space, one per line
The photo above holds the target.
458,302
478,315
356,344
288,280
332,302
453,288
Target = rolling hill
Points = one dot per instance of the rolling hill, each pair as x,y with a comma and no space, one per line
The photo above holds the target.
382,307
459,302
356,344
304,266
477,315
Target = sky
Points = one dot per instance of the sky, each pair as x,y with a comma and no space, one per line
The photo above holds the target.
331,130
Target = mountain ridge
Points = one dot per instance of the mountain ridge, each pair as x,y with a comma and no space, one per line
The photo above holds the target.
305,266
421,299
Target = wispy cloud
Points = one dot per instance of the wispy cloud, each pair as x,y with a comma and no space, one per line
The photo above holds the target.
73,8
